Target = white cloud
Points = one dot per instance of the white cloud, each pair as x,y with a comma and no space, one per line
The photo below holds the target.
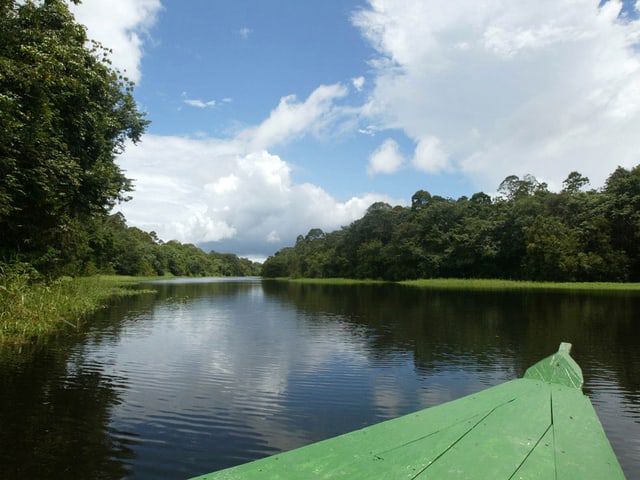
386,159
245,32
293,119
121,26
223,185
358,83
202,190
200,103
429,156
499,87
369,130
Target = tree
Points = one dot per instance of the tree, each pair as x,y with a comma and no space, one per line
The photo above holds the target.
65,114
623,212
420,200
574,183
278,265
514,188
551,250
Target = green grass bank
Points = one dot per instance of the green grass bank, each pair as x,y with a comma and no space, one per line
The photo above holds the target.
30,309
495,284
478,284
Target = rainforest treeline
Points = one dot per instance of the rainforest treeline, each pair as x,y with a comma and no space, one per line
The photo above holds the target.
526,232
65,115
108,245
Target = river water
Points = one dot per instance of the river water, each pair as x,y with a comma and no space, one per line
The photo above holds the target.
210,373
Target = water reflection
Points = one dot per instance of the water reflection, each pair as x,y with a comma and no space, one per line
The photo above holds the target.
473,327
55,418
206,375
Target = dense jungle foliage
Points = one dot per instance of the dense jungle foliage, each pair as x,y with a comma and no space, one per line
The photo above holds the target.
117,248
65,114
525,233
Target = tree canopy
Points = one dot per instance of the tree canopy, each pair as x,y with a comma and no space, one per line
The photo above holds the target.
65,113
526,232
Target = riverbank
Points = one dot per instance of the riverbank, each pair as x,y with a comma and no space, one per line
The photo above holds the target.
478,284
33,309
495,284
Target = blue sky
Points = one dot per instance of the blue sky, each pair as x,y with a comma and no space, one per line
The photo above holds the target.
270,118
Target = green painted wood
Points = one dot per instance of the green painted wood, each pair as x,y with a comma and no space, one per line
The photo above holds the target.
498,445
541,462
540,426
558,368
581,446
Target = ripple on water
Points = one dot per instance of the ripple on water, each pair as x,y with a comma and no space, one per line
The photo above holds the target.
224,375
619,412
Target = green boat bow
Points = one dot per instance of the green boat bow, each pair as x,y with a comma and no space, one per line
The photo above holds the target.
540,426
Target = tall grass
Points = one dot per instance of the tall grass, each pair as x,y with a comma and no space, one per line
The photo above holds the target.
31,307
488,284
480,284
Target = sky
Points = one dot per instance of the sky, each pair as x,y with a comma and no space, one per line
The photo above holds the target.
273,117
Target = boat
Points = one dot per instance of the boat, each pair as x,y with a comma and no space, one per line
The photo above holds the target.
540,426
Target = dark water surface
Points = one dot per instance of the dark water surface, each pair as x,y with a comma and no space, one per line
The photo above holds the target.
208,374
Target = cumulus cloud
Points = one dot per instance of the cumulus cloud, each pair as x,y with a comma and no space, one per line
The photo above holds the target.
386,159
429,156
499,87
234,192
120,25
293,119
203,190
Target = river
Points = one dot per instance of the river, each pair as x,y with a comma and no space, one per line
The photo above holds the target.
210,373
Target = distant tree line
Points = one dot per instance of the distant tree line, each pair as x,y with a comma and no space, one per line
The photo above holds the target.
114,247
65,114
107,245
525,232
